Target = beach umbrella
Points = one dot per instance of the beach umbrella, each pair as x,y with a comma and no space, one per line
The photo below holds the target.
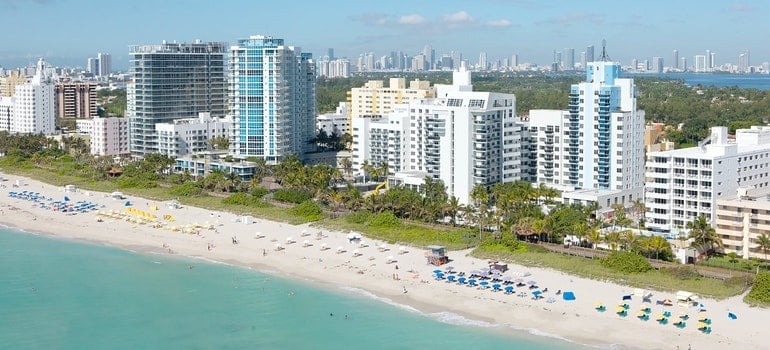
390,258
732,316
484,283
619,309
496,286
519,280
449,268
461,280
532,283
598,304
509,289
436,271
537,293
472,281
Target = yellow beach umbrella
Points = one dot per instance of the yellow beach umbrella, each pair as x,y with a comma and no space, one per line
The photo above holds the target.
660,317
620,309
641,313
598,304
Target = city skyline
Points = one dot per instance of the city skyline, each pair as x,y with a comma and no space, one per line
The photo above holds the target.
498,27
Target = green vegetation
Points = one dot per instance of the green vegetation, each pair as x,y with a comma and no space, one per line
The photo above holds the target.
760,291
113,102
307,210
626,262
665,279
292,196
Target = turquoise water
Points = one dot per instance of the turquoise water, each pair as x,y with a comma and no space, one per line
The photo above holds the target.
57,294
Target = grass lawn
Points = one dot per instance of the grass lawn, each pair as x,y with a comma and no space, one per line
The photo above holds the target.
657,280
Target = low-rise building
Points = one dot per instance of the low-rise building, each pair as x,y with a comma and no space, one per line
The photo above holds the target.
109,136
334,123
203,163
740,221
190,135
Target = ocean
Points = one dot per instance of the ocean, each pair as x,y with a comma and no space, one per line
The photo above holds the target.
746,81
63,294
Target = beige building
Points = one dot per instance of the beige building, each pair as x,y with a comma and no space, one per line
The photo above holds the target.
8,83
376,100
75,100
740,222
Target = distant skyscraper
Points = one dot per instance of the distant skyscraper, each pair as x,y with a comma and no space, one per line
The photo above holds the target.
272,99
675,62
744,62
589,54
172,81
514,60
33,105
583,60
557,58
330,53
700,63
457,58
657,64
105,64
430,56
483,60
634,64
684,63
708,60
713,60
92,66
568,62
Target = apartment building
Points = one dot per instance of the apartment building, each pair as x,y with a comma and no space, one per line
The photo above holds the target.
190,135
740,221
685,183
75,100
463,138
376,100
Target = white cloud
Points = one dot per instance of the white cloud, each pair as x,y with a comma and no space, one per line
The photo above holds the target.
458,17
499,23
413,19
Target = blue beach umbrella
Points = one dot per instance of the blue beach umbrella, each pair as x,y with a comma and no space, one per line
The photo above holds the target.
450,278
537,293
509,289
484,284
472,282
496,286
436,271
461,280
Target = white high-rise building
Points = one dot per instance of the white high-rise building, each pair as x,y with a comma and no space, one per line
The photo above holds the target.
700,63
657,64
685,183
462,137
483,64
675,62
105,64
109,136
593,152
34,105
92,66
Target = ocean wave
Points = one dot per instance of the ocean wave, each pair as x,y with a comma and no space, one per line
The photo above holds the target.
371,295
459,320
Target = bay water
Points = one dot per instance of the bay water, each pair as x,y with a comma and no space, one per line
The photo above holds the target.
63,294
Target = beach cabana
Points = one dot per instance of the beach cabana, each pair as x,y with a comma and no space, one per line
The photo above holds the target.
568,296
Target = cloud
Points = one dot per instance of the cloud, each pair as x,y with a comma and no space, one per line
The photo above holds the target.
741,8
498,23
457,18
413,19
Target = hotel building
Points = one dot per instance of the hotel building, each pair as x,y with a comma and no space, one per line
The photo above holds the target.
594,151
740,221
272,99
75,100
190,135
376,100
463,138
685,183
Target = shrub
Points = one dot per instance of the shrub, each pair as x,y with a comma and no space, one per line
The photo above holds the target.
384,219
307,210
760,291
292,196
187,189
506,244
245,199
360,217
259,192
626,262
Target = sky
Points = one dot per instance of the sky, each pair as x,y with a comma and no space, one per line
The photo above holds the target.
67,32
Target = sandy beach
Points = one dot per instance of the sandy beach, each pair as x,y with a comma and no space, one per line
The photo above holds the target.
393,272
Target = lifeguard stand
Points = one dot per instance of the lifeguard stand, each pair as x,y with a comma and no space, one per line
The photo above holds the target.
437,255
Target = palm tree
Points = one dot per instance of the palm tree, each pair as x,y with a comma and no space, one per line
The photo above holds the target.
628,238
366,168
593,236
347,166
613,239
639,210
453,207
658,244
704,236
763,242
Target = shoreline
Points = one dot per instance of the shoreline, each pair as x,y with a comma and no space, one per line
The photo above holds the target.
574,321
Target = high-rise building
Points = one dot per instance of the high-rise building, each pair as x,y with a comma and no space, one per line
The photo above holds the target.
8,83
744,62
557,59
514,60
712,61
568,59
272,99
657,64
376,100
589,54
684,64
75,100
700,63
583,61
462,137
709,64
330,53
675,62
172,81
33,105
684,184
457,58
92,66
594,151
483,64
430,58
105,64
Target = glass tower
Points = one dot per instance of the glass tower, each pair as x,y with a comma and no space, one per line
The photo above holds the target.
272,99
172,81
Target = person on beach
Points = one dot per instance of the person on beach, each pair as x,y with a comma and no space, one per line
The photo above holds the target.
405,290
